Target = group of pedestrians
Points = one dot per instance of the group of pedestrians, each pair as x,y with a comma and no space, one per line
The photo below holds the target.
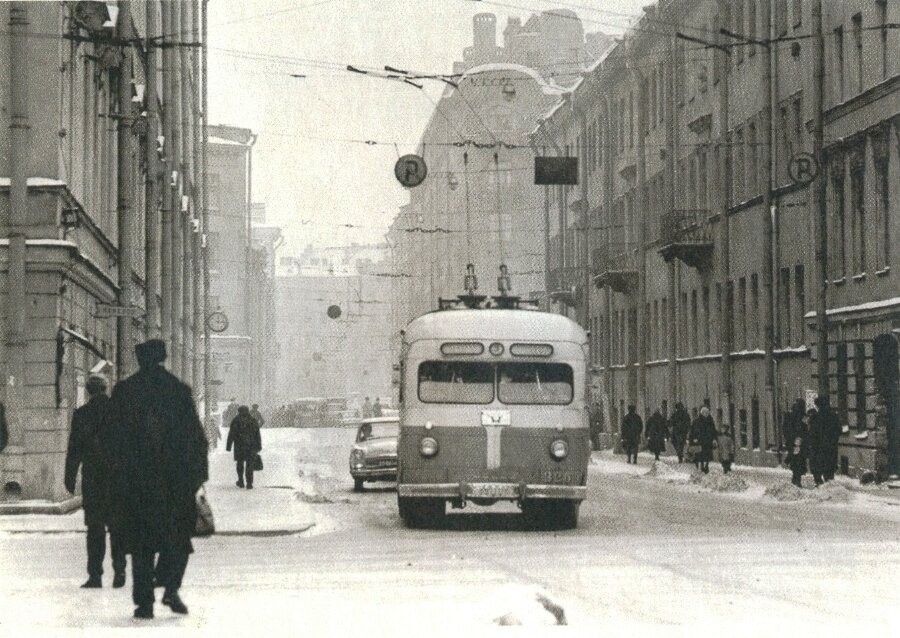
243,435
811,438
697,439
370,410
143,458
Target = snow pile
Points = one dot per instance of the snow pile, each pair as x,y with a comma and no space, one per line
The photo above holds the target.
536,610
720,482
788,492
665,472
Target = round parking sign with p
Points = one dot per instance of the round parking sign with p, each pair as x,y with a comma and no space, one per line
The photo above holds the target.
410,170
803,168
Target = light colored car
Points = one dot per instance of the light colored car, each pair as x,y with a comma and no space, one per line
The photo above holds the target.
374,453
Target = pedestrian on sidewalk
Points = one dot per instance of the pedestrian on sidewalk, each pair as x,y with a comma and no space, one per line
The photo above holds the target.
799,446
257,415
725,448
657,433
87,450
230,411
679,426
824,434
367,409
703,435
158,453
377,408
243,434
793,423
596,424
632,427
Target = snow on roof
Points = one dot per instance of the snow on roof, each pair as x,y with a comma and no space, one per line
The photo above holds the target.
36,182
221,140
871,305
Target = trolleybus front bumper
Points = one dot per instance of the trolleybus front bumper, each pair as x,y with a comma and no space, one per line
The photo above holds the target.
492,491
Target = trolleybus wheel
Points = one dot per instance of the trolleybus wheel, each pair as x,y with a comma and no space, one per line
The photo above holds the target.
420,512
358,485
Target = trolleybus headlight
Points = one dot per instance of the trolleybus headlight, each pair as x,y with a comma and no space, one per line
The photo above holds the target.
559,450
428,446
496,349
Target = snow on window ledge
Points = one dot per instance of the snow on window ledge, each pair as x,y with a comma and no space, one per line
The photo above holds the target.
859,277
883,272
839,282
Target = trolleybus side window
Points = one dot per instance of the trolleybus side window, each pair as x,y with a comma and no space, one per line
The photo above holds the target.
456,382
535,383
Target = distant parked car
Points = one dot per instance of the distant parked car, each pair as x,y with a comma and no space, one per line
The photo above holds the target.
374,453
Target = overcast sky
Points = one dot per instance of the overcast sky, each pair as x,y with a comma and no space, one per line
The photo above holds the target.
312,182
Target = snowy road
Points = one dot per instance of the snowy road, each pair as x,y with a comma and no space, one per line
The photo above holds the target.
653,549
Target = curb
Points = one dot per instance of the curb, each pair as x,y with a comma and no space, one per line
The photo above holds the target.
40,507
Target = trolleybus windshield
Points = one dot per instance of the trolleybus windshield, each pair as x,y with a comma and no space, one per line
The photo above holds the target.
534,383
517,383
456,382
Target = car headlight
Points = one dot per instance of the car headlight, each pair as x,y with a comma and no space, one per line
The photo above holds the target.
357,458
428,446
559,450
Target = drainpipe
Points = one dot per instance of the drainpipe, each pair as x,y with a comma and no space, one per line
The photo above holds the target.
727,336
207,348
17,299
152,215
167,211
671,319
642,208
125,186
584,309
608,155
197,227
187,169
818,203
768,243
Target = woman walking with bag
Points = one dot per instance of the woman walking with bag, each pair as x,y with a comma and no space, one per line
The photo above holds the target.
703,436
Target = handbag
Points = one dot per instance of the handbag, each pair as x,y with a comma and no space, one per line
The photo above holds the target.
257,463
205,524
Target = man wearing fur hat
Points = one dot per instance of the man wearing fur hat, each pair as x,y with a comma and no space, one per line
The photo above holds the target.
85,450
158,453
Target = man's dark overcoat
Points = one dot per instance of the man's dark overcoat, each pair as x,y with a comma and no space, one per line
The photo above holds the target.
632,427
824,436
86,449
679,425
703,433
244,436
657,433
158,453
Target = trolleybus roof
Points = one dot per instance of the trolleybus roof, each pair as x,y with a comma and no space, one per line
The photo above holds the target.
491,323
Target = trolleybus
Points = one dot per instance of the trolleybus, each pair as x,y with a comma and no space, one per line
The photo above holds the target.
493,408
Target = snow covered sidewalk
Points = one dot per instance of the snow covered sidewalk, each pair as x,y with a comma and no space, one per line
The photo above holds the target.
763,484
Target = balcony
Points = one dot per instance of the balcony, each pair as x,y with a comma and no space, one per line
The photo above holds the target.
686,235
565,285
617,271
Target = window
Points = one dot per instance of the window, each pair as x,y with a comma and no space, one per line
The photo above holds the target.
800,295
859,376
456,382
839,64
742,416
742,311
695,321
786,318
858,213
858,46
703,202
707,344
797,13
752,28
654,326
739,165
664,334
683,321
754,311
737,18
534,383
841,361
882,201
653,103
781,17
883,32
754,421
838,220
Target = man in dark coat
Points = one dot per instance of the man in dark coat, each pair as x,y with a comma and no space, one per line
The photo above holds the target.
243,434
230,411
632,427
679,425
824,435
596,424
257,415
158,456
86,451
657,433
703,433
798,446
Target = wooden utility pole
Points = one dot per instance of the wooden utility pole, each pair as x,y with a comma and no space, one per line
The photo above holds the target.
167,252
151,159
768,233
207,350
197,227
727,333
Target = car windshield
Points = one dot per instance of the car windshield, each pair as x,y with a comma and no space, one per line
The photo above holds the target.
534,383
456,382
370,431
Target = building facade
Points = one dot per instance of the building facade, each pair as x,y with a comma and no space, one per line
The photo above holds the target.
703,243
100,145
478,205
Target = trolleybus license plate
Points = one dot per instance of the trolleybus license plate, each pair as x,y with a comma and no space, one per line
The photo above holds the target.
493,490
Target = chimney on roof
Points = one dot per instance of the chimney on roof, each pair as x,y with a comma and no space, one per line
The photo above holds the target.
485,31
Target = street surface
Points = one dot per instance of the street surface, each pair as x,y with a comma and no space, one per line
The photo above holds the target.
303,552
